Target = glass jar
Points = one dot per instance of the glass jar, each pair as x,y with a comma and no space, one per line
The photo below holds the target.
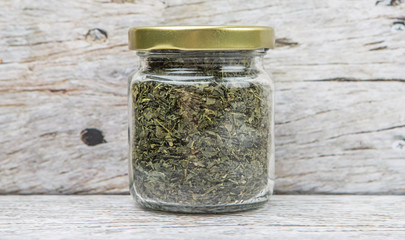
201,118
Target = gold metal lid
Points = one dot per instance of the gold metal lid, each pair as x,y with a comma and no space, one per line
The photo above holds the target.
201,37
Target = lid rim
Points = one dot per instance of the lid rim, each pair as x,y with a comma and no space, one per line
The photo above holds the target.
200,38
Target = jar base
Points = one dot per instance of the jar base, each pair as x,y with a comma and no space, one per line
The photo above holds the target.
220,208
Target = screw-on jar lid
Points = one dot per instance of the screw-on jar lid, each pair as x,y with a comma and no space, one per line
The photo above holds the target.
201,37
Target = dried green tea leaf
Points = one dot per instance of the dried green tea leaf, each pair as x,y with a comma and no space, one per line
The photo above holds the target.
203,142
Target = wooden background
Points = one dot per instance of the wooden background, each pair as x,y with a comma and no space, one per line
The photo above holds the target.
339,68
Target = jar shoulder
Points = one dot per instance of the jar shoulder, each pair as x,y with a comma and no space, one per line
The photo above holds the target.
194,77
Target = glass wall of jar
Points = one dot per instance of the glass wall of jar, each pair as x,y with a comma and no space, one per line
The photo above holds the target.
201,119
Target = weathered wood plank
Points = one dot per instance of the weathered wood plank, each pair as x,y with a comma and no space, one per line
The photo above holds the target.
317,39
343,138
285,217
339,71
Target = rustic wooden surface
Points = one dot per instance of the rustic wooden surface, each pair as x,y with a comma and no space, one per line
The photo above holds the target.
338,66
285,217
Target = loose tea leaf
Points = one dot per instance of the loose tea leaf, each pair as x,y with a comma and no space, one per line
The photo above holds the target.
200,140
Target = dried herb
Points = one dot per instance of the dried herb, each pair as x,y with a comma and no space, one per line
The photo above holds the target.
198,140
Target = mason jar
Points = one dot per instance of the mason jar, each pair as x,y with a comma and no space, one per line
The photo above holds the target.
201,118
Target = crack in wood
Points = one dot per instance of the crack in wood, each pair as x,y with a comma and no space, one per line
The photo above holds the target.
51,90
113,177
368,131
122,1
296,175
358,148
378,48
342,79
305,117
12,105
282,42
40,43
48,134
222,13
185,4
373,43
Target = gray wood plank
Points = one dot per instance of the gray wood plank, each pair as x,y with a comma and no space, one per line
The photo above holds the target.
284,217
338,66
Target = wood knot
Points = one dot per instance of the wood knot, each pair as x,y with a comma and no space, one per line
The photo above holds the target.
92,136
96,35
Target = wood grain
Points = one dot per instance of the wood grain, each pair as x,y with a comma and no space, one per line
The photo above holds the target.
338,66
285,217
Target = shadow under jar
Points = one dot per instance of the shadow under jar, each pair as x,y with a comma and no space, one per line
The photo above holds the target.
201,118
